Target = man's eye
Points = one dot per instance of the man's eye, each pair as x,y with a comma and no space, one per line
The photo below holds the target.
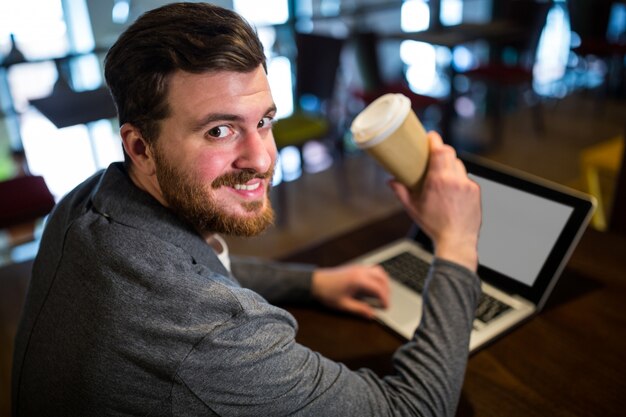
265,122
219,131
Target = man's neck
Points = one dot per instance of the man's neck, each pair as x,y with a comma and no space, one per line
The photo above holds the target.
147,184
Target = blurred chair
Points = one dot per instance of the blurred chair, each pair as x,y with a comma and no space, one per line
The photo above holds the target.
317,63
589,19
617,222
600,165
503,73
315,116
25,200
368,61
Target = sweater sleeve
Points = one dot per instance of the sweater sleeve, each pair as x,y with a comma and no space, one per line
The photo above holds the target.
277,282
251,365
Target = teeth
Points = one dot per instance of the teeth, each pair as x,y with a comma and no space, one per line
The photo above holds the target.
247,187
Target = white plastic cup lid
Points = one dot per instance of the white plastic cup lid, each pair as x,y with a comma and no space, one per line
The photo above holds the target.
380,119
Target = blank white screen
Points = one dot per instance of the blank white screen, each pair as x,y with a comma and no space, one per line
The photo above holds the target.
518,231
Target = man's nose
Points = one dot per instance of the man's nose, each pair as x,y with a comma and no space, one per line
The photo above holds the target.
256,152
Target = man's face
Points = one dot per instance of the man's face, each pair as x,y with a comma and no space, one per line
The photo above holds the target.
215,154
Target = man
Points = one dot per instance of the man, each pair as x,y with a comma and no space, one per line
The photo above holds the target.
135,307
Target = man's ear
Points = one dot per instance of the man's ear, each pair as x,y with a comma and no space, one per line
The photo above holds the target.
138,149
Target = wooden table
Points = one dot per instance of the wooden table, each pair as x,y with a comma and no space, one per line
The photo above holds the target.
570,360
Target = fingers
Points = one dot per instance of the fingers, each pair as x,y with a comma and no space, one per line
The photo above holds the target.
460,167
370,290
443,162
358,308
442,157
375,283
402,192
347,288
435,140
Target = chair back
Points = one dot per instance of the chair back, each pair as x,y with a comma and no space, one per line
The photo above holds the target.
366,52
617,221
317,63
590,18
530,14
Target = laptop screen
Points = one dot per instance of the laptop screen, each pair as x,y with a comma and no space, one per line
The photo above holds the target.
532,222
530,228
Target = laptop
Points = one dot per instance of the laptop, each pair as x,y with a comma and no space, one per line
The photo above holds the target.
529,230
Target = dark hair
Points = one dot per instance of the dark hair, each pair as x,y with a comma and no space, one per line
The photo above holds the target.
192,37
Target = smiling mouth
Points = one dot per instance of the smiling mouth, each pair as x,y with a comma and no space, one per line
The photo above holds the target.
243,180
244,187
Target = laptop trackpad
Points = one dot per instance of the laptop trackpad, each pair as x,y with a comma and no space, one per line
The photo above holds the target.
404,312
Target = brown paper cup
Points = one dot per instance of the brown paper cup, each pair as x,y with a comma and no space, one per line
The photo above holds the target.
391,133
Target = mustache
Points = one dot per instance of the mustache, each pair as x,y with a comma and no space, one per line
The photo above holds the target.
230,179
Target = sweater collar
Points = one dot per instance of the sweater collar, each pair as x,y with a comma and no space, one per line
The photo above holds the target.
116,197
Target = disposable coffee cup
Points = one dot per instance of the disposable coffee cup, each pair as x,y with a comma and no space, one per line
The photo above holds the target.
391,133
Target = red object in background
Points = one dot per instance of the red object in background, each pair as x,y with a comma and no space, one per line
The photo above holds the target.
24,199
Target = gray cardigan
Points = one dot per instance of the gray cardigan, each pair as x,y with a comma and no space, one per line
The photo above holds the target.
130,312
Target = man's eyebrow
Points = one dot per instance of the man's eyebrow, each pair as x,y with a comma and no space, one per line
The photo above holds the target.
271,109
214,117
227,117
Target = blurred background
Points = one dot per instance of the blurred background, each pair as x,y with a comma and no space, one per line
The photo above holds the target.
532,84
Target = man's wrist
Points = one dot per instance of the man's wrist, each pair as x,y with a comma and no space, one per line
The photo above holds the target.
464,253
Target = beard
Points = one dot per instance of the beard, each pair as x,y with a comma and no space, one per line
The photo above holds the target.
192,200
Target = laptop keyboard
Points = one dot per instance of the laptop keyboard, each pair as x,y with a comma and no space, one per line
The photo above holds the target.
489,308
411,271
408,269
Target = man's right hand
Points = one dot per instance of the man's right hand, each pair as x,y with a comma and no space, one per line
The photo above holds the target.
447,207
